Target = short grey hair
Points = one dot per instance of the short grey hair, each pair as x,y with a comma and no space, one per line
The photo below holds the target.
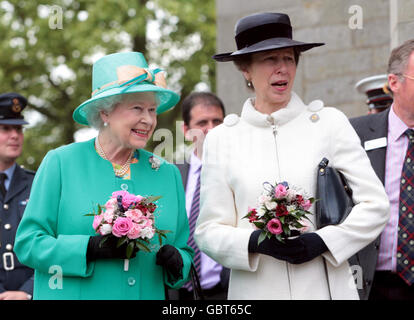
399,58
93,110
108,104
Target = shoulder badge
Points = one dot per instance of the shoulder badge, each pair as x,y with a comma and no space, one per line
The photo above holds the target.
231,120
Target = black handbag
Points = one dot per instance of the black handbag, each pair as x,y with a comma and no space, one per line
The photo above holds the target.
195,283
333,196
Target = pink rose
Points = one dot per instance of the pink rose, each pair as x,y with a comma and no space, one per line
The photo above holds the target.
97,221
280,191
111,204
274,226
127,198
121,227
134,232
306,204
134,214
119,193
108,215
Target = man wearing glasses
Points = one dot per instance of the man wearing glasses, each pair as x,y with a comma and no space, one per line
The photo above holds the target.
388,138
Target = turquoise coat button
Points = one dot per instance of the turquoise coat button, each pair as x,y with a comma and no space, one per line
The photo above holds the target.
131,281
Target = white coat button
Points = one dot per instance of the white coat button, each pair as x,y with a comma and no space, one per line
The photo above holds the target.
9,247
7,226
6,206
131,281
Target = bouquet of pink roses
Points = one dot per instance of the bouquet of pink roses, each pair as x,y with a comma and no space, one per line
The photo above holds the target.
130,218
280,210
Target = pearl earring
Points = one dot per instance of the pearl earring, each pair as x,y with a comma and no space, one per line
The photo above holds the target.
105,124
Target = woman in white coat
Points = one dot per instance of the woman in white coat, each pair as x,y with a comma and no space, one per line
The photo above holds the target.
279,138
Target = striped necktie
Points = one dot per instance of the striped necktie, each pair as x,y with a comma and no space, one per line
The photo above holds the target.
195,209
405,250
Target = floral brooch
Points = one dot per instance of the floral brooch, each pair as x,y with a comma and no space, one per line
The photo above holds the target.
155,163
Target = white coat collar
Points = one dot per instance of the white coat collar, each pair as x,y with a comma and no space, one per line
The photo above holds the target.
280,117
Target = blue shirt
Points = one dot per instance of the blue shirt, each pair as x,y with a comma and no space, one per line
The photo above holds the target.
9,173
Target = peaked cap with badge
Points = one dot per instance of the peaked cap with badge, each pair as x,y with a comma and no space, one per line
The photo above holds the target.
11,107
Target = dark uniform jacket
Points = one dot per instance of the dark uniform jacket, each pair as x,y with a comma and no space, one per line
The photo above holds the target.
13,275
368,128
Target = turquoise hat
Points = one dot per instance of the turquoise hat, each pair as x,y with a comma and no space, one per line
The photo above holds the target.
122,73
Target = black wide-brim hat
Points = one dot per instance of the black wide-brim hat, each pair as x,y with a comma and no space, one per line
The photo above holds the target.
262,32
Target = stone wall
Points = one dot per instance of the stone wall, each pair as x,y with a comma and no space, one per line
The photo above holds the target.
330,72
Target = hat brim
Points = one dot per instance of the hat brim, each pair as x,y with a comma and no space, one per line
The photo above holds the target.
167,99
14,122
266,45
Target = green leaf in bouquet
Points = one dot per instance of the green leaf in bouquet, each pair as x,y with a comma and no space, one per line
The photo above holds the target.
280,238
286,229
142,246
103,241
121,241
152,199
298,225
260,225
163,232
130,249
99,209
282,219
89,215
262,236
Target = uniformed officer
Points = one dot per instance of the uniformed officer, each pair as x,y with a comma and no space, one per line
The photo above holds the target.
16,280
377,91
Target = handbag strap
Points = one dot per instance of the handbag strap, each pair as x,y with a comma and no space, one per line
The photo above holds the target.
195,282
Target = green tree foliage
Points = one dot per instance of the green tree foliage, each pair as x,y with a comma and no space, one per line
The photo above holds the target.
47,49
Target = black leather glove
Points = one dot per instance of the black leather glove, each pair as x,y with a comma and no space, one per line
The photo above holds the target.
302,249
169,258
108,250
273,247
313,246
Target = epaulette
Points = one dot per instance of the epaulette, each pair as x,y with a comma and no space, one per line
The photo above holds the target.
231,120
28,171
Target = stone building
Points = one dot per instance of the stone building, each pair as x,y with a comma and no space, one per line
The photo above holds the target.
358,34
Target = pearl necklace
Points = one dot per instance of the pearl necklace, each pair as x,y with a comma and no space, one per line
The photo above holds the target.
118,172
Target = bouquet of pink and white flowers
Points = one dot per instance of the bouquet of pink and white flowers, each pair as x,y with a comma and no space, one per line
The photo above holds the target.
130,218
280,210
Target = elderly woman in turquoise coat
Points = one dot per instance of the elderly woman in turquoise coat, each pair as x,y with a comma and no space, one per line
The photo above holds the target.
58,240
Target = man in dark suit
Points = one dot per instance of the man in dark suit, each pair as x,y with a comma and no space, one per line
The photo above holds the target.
201,111
16,280
389,143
